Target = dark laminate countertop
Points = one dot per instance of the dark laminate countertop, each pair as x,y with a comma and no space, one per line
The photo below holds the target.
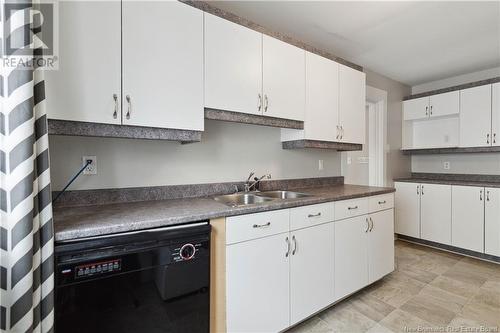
449,182
87,221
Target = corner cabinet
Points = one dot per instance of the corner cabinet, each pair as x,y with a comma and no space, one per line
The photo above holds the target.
283,266
155,48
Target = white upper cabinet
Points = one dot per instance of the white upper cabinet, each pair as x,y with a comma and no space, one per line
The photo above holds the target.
475,117
283,79
436,213
87,85
322,99
352,102
492,222
233,66
467,230
495,114
444,104
417,108
162,65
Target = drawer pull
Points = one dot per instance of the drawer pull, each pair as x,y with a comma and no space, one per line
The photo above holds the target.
262,225
314,215
352,208
382,202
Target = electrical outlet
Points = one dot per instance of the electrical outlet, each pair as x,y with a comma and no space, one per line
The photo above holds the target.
446,165
320,165
91,169
349,160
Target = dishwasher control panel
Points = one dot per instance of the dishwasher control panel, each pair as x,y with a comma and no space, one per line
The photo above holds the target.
98,268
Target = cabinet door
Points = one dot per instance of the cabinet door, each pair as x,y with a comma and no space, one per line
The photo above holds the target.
495,113
492,222
352,104
162,65
322,103
284,75
89,71
475,117
444,104
233,66
467,226
351,255
257,285
407,209
417,108
381,245
435,213
311,271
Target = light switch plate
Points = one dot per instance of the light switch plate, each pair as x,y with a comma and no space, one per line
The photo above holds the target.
320,165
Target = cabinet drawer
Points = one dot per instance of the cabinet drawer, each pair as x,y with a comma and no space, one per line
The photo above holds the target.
381,202
307,216
350,208
251,226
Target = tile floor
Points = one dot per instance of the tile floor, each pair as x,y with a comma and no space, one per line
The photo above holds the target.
431,290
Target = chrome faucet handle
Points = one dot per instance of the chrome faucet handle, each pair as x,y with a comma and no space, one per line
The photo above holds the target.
250,176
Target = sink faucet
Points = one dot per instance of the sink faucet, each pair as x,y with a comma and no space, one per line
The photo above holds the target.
249,186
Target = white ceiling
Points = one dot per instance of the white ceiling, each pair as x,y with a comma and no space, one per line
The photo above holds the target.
409,41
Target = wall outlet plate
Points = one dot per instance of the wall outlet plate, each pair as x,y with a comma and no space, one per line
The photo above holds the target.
91,169
349,159
320,165
446,165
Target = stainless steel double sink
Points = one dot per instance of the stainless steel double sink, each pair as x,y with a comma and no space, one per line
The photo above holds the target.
250,198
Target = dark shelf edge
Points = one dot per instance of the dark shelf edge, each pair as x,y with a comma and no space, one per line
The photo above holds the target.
338,146
470,150
252,119
454,88
88,129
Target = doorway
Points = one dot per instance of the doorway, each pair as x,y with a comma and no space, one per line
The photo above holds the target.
368,167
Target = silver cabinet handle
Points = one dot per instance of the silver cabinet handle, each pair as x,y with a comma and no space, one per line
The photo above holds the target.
367,225
481,195
115,113
294,245
314,215
431,110
262,225
338,132
341,132
488,138
418,189
426,110
129,107
352,208
422,190
259,106
494,138
487,195
371,222
287,241
382,202
266,103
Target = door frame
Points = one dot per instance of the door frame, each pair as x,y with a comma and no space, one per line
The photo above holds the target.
378,98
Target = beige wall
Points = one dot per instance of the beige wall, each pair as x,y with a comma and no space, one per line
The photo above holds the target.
228,152
397,165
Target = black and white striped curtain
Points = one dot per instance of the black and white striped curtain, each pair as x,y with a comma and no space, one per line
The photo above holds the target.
26,230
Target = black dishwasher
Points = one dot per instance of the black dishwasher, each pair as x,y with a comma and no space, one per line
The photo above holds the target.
147,281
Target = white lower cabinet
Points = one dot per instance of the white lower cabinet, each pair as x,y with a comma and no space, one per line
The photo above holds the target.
435,213
278,276
467,229
380,245
351,255
407,207
492,222
311,270
257,285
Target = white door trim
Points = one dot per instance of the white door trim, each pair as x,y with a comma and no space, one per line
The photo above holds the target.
379,98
